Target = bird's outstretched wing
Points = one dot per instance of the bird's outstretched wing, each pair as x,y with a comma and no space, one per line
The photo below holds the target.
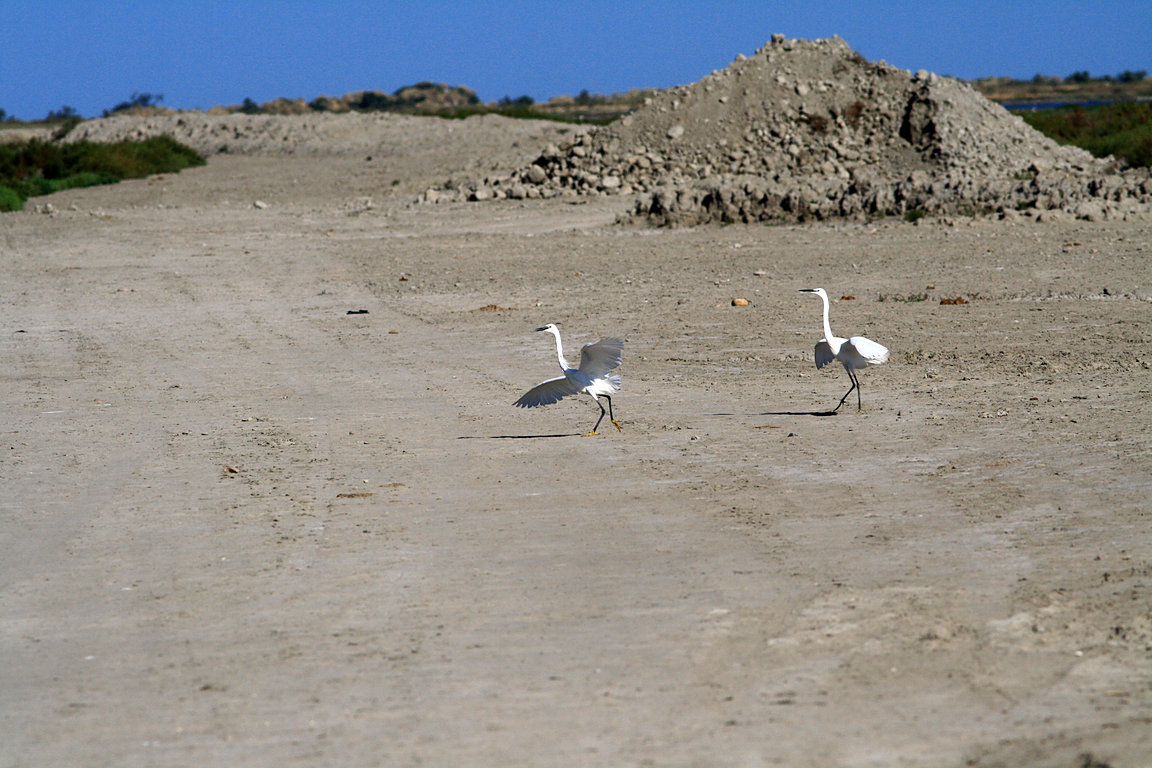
599,358
824,353
547,392
872,352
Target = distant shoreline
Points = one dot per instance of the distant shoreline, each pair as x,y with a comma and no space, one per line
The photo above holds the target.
1022,94
1041,105
459,101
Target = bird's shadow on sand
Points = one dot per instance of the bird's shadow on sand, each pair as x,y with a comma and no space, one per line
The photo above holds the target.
781,413
517,437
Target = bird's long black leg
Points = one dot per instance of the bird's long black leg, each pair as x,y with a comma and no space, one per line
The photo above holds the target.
853,380
594,432
859,406
611,417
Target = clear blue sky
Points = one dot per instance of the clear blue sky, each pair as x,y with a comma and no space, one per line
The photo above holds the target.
91,55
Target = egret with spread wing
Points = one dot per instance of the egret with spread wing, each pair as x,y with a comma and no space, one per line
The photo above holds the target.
854,354
593,377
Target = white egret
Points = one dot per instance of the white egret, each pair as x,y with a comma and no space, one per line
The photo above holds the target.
592,377
854,354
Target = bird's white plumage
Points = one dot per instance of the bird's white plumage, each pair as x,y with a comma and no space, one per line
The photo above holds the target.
600,358
855,353
592,377
824,354
548,392
596,360
864,352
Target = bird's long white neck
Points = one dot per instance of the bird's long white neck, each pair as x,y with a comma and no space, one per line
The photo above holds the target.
559,349
827,328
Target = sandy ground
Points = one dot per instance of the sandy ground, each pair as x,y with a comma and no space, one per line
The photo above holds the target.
241,526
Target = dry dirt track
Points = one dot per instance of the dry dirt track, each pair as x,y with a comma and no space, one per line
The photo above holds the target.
241,526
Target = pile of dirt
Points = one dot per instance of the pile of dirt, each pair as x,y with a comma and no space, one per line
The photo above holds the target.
236,133
808,130
318,133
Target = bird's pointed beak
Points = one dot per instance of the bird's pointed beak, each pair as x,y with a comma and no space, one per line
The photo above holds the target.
807,290
541,328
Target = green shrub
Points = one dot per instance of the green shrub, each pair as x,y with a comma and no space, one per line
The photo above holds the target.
42,186
1123,129
37,167
130,159
137,100
10,200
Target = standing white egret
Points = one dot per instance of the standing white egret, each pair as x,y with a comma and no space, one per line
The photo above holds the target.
592,377
854,353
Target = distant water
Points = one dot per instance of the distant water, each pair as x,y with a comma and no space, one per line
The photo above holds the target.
1033,106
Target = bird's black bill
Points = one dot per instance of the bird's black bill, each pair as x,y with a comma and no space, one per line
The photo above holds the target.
541,328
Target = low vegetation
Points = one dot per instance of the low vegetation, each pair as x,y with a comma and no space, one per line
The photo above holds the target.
529,113
37,167
1123,130
1076,88
137,101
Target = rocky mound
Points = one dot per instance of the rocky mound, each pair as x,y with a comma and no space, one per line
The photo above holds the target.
422,98
311,133
807,130
237,133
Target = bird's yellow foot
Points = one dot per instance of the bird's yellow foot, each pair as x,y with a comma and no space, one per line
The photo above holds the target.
593,433
617,425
